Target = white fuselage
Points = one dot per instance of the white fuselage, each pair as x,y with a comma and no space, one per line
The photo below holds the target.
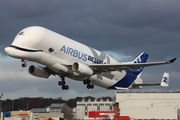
35,44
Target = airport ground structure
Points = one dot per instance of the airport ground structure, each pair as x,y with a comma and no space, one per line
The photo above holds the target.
164,105
90,104
158,105
149,105
55,111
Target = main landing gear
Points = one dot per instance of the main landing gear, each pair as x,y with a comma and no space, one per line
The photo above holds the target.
63,83
24,62
89,84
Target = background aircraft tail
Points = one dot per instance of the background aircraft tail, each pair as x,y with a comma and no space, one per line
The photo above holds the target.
165,80
142,58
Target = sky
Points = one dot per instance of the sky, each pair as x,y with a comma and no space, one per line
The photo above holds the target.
120,28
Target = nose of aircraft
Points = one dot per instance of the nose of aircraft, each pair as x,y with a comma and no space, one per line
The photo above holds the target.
9,51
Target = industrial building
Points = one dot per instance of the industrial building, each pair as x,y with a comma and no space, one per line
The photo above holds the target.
137,105
91,104
159,105
148,105
55,111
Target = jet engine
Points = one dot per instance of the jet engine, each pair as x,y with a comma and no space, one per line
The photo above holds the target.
38,71
82,69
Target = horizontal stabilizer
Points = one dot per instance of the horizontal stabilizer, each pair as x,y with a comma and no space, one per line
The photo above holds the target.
164,82
121,88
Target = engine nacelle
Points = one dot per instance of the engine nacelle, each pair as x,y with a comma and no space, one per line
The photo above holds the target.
82,69
38,71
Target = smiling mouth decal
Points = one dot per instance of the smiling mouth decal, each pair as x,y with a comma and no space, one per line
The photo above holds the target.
24,49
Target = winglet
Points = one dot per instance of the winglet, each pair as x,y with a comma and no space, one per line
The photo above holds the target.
165,80
172,60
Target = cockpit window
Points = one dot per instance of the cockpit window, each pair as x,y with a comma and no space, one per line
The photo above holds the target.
21,33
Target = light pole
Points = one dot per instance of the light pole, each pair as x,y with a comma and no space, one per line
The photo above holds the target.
0,104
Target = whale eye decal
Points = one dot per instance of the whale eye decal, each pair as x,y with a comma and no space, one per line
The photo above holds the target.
51,49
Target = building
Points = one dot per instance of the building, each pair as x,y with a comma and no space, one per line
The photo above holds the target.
148,105
50,112
55,111
135,105
91,104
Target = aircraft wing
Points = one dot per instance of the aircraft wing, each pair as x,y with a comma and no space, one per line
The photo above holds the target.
125,66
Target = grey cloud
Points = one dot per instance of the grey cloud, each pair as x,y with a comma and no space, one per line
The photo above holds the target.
141,14
29,9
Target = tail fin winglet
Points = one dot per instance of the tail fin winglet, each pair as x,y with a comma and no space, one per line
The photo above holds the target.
172,60
165,80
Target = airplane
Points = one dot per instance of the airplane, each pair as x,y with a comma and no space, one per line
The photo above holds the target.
65,57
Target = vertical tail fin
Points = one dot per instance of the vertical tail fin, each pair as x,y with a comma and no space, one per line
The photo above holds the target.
165,80
142,58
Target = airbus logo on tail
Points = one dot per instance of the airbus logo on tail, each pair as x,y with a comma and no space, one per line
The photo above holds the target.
141,59
138,60
165,79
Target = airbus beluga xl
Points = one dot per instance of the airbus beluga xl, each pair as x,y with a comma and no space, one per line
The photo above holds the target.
65,57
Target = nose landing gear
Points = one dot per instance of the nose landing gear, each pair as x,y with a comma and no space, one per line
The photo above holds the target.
24,62
24,65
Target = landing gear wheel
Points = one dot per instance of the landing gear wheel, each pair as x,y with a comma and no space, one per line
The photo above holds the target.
85,82
60,83
24,65
63,87
88,86
24,62
67,87
92,86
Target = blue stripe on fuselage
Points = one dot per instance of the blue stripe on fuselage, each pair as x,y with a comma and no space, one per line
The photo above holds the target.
126,81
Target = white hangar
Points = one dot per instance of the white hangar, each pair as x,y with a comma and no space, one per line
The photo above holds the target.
149,105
